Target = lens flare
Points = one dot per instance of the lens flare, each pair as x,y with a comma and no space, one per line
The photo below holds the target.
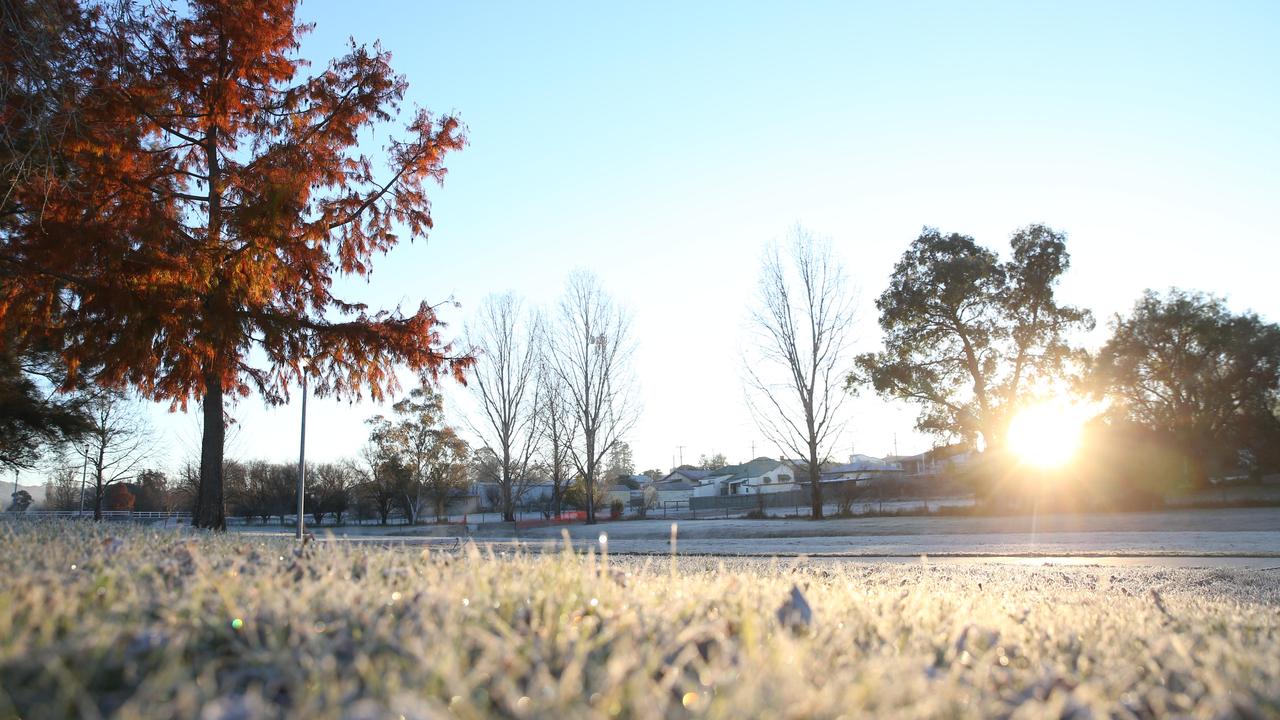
1047,435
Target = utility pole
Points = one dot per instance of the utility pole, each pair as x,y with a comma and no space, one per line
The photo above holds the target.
302,460
680,448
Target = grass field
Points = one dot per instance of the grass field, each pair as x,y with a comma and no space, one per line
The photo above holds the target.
131,623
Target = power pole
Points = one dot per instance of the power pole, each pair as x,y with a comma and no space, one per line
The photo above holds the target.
681,449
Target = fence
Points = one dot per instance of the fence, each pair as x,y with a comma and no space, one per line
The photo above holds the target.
176,518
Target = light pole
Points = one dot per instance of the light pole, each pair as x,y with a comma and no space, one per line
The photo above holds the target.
84,474
302,456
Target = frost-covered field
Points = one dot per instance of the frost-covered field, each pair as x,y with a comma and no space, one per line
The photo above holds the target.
132,623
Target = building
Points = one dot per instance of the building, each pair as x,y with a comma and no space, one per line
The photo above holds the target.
619,493
933,464
676,490
862,470
761,475
690,475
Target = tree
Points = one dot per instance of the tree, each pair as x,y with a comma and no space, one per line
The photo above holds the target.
152,491
447,469
19,501
33,417
655,474
506,340
966,336
62,488
117,445
591,354
222,193
620,462
382,478
586,496
1185,366
120,498
333,488
266,489
411,438
795,366
712,462
556,423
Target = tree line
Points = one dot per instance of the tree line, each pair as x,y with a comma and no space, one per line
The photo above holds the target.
1191,389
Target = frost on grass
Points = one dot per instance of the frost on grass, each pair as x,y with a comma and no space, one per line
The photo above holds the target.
129,623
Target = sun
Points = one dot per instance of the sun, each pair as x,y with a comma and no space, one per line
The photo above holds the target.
1047,435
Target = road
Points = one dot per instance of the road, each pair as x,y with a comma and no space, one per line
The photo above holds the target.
1248,536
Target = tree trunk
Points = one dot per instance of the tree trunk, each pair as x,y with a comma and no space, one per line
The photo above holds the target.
508,506
210,511
815,485
97,501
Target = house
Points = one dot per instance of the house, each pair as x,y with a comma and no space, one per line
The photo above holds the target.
862,470
761,475
635,482
619,493
675,490
690,475
932,464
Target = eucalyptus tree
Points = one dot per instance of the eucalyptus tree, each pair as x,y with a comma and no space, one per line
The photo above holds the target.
1208,380
967,337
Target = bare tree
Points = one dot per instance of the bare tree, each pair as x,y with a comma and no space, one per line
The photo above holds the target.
592,349
382,477
506,340
116,446
335,483
796,366
556,424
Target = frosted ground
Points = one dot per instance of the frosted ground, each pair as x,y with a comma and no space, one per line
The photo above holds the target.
124,622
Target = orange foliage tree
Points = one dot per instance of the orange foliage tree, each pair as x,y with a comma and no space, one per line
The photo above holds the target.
120,497
198,212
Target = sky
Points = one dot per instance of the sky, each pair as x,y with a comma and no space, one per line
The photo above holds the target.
663,145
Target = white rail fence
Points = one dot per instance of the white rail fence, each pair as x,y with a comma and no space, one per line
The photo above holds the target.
143,516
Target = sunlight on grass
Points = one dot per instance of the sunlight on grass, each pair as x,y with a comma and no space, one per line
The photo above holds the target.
131,623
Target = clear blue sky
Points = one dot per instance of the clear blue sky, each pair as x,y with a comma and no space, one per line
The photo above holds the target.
661,145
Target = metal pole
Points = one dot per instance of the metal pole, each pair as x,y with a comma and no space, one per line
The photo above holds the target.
84,475
302,461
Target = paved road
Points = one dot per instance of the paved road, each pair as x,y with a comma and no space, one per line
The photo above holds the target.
1231,520
1230,537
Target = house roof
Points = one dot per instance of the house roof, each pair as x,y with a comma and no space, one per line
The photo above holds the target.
688,474
755,468
619,487
673,485
864,463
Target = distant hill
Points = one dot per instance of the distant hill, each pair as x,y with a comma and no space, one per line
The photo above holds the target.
6,489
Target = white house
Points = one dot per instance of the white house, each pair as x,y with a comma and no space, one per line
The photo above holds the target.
762,475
